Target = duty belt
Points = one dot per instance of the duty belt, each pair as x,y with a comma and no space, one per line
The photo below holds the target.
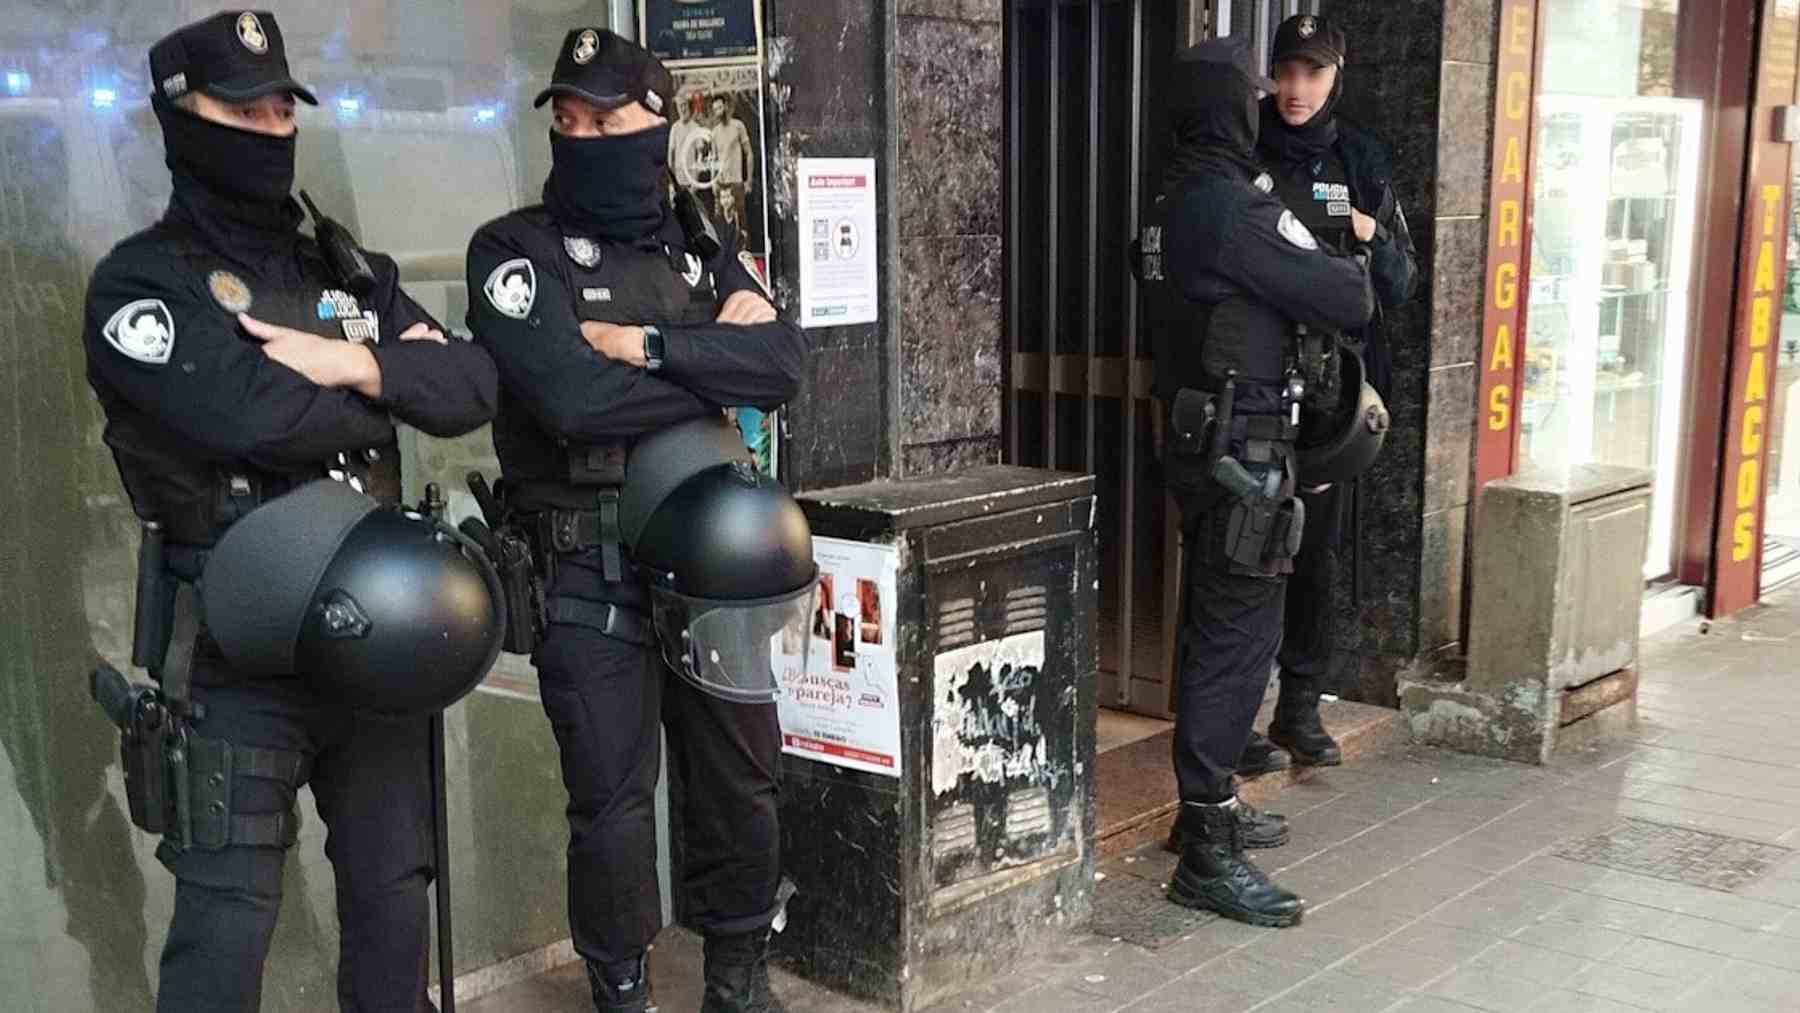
580,530
1264,427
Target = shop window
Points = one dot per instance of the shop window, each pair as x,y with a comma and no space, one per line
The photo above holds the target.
1614,190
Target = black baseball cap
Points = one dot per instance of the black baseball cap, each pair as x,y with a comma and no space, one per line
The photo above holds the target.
1310,37
597,65
234,56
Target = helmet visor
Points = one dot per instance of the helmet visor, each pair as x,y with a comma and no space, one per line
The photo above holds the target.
736,650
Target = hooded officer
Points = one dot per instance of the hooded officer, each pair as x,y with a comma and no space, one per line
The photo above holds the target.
611,321
1228,272
1335,178
233,365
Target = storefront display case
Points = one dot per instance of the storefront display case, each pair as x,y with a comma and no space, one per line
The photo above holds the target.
1612,238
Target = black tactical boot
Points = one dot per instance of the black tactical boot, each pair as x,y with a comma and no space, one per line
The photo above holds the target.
1214,874
621,988
1296,727
1261,756
737,975
1259,829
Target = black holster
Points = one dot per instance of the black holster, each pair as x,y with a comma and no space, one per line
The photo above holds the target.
1264,534
178,784
524,573
524,593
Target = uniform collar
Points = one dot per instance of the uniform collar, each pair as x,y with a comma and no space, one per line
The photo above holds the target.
242,231
668,234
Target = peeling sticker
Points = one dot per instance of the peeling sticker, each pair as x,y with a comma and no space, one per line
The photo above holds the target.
781,51
985,713
779,97
785,175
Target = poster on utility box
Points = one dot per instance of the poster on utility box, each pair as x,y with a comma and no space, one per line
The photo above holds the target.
844,707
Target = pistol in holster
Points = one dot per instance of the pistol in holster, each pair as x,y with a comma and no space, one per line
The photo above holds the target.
509,548
178,783
1248,464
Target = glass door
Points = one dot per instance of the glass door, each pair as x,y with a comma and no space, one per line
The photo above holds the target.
1612,240
1781,517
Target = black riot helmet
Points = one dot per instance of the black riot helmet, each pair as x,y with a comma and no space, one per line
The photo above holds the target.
730,558
381,608
1347,444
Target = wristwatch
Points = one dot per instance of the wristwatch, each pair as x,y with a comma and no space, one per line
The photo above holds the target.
653,348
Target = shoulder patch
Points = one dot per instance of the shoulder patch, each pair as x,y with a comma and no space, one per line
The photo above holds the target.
695,269
1264,182
748,261
1296,233
512,288
143,330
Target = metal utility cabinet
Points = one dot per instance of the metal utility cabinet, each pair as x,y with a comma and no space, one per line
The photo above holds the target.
910,887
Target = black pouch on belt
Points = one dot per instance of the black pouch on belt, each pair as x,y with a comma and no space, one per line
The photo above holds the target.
1263,534
1188,451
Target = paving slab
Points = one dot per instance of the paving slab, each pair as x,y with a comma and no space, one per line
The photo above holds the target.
1657,870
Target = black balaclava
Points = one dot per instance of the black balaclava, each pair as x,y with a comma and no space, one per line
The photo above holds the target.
1291,145
609,187
1212,112
230,162
238,179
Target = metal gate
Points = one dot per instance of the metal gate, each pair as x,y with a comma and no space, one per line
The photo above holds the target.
1082,159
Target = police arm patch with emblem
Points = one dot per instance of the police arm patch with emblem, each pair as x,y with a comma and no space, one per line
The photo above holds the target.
512,288
748,261
143,330
1296,233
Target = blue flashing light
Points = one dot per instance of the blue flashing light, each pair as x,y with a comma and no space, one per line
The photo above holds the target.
17,82
486,114
104,98
349,107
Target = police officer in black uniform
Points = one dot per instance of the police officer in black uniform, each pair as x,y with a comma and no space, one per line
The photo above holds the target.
613,315
233,363
1335,178
1229,272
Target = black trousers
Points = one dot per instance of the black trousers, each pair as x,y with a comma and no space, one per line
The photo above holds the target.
607,701
371,780
1230,631
1311,622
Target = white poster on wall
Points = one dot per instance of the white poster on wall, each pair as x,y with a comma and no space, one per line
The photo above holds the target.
844,709
839,280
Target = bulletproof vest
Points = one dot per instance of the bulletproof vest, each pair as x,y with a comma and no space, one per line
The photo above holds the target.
196,499
1219,328
615,283
1318,192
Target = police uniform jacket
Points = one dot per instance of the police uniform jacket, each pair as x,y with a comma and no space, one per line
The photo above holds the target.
532,283
1320,187
1239,270
204,425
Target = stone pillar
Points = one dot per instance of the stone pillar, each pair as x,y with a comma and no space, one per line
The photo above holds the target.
949,116
917,85
1420,78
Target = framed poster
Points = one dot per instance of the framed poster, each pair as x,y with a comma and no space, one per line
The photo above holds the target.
690,30
717,150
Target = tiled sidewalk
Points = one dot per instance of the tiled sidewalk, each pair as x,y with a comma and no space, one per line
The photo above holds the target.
1653,872
1656,871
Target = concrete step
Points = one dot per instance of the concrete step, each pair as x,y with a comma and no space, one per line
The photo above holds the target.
1135,784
